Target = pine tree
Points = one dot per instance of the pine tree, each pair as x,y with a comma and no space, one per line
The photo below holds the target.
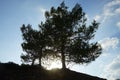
71,36
64,34
34,44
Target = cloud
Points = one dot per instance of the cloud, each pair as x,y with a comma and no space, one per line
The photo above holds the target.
110,9
97,17
117,11
118,24
108,43
87,17
42,10
112,70
112,3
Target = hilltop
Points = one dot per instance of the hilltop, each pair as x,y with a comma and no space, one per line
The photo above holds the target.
12,71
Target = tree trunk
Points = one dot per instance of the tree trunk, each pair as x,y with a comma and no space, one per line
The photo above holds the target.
40,56
63,58
33,62
63,61
40,61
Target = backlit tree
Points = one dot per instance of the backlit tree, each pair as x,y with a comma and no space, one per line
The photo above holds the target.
71,36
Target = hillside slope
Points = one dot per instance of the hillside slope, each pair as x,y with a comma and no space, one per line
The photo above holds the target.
12,71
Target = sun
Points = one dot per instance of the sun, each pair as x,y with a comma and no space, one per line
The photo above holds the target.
54,64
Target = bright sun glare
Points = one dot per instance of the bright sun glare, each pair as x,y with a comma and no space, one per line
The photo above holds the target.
54,64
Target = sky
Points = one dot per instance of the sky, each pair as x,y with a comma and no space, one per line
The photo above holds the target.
14,13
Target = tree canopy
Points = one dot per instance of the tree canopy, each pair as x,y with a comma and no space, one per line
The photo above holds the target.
64,33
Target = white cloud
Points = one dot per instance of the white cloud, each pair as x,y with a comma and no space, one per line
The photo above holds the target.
112,3
42,10
112,70
118,24
87,17
110,9
97,17
108,43
117,11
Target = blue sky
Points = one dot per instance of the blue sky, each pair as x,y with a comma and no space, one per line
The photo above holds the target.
14,13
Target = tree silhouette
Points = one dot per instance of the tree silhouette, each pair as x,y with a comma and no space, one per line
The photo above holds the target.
70,35
34,44
37,44
65,34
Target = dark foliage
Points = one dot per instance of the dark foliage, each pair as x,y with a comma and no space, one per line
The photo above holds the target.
64,33
34,43
71,36
29,45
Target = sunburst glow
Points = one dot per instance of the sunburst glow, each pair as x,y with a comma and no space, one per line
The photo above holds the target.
54,64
